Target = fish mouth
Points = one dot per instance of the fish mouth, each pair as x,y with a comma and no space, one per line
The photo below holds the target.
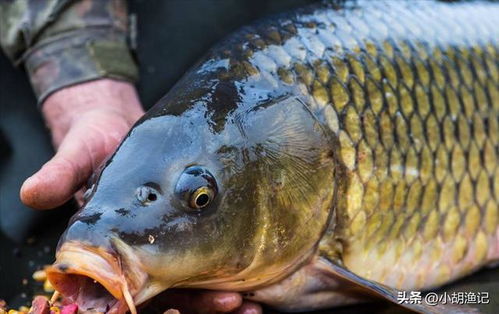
94,279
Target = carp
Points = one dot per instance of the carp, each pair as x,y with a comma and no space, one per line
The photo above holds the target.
344,150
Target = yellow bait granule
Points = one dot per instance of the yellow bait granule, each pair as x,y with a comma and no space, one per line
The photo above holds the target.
40,275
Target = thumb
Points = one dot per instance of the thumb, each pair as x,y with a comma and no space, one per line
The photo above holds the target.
55,183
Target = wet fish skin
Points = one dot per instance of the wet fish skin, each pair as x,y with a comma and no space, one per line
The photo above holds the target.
362,132
412,95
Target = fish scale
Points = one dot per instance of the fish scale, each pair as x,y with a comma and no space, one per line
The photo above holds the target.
412,94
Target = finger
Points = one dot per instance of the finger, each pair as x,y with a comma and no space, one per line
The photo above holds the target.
55,183
249,308
196,301
219,301
51,186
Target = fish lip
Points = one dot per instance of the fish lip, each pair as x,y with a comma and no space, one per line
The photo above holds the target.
76,258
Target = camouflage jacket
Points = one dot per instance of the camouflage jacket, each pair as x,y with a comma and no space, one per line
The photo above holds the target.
65,42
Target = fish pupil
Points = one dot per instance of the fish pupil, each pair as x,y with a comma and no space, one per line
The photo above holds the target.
202,200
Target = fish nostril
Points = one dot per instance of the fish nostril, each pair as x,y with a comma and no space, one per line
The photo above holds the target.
146,194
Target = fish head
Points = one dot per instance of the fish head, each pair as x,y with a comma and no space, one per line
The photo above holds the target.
193,200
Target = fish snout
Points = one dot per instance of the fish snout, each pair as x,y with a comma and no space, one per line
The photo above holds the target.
87,229
96,278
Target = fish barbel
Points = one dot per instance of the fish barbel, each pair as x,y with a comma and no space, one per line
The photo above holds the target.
342,150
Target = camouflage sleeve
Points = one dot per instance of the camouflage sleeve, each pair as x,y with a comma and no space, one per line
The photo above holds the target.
65,42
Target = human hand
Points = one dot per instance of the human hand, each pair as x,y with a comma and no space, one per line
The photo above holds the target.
203,302
87,122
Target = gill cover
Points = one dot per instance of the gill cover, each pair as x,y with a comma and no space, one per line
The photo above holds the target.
277,164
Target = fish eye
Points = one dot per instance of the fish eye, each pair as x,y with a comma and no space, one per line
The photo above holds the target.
196,188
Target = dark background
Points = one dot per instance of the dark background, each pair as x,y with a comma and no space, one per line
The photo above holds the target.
172,35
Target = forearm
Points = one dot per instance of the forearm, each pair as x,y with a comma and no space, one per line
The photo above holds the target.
63,43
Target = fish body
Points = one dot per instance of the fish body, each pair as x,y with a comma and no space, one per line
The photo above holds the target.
345,146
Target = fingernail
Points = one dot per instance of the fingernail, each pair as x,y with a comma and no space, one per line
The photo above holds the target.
226,301
251,311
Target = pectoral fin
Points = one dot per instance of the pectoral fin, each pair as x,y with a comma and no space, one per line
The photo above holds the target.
390,294
324,283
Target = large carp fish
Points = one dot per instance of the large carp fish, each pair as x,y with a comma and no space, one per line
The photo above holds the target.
341,151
